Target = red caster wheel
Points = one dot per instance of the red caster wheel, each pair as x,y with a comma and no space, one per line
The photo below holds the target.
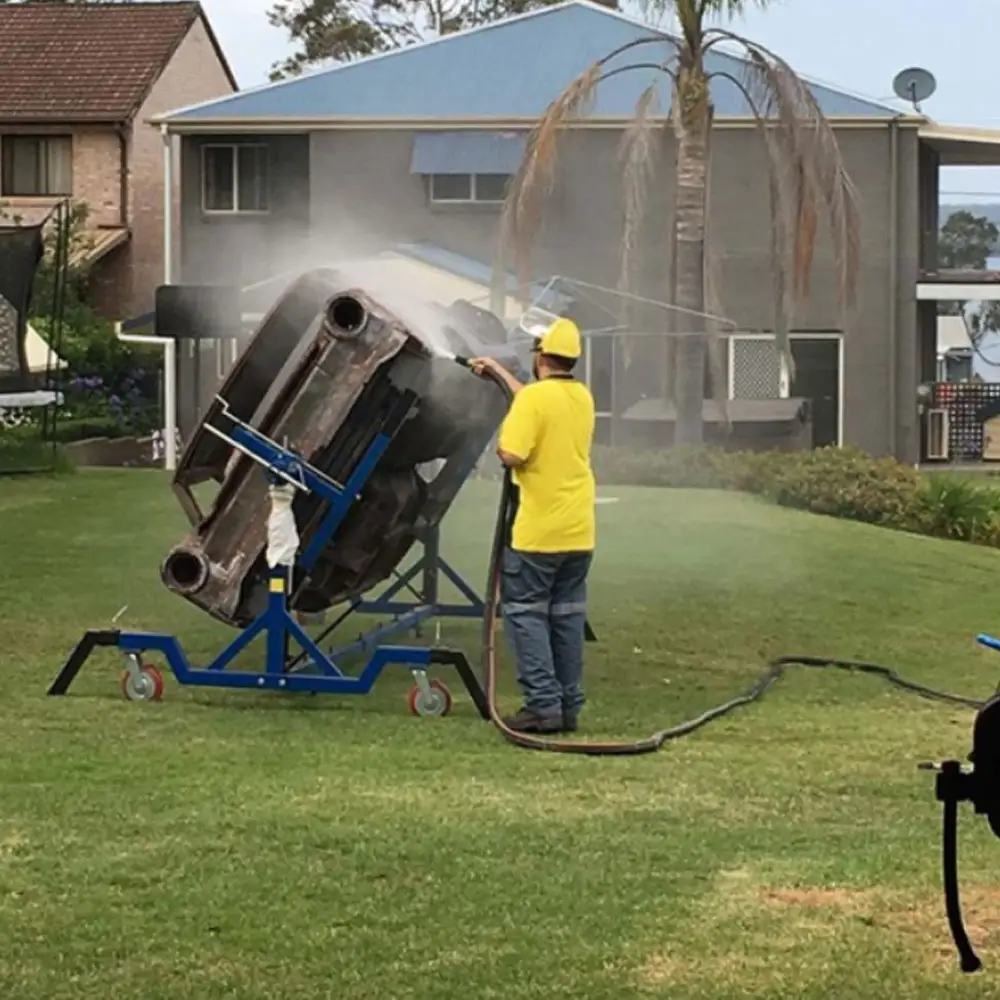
435,700
147,685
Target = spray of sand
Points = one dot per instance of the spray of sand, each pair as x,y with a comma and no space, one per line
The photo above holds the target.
369,261
358,251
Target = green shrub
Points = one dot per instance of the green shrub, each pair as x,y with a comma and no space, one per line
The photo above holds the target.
67,430
958,508
83,428
844,482
21,454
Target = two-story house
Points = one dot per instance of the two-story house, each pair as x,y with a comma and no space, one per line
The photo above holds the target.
416,146
78,85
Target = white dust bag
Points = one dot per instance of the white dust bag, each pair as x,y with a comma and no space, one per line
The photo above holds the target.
282,534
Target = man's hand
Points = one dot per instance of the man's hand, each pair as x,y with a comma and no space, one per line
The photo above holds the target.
480,366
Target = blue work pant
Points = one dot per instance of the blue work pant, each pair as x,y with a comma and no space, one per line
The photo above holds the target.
544,607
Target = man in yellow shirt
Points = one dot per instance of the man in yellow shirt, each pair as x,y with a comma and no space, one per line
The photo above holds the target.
545,440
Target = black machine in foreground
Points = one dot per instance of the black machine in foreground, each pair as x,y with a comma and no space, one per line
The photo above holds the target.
980,786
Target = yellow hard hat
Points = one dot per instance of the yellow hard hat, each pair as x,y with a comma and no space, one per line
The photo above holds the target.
561,339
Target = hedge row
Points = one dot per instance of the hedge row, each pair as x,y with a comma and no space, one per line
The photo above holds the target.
839,482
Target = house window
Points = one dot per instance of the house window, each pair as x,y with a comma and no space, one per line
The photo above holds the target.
235,178
36,165
486,189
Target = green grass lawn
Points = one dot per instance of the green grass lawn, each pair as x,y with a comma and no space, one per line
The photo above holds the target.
230,844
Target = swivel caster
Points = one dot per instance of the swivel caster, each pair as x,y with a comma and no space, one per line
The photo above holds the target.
141,681
429,698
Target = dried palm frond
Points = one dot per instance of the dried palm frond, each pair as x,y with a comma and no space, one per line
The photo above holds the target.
532,184
780,222
808,148
806,173
638,151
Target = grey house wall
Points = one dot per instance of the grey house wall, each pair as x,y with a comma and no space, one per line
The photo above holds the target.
352,190
244,248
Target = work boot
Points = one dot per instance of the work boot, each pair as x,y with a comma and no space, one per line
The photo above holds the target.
569,723
528,721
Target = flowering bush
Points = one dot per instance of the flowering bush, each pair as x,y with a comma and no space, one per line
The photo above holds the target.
124,404
106,381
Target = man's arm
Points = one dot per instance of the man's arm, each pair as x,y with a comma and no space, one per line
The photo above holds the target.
479,366
519,432
509,459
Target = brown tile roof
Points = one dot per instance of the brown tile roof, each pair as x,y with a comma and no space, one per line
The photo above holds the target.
80,62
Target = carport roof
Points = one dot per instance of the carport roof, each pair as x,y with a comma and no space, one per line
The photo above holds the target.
963,147
507,71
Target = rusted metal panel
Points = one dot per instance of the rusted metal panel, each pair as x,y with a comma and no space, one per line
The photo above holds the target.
322,389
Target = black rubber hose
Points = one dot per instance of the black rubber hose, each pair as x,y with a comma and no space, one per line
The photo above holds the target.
775,669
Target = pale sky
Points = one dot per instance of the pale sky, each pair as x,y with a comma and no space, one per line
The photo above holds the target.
858,45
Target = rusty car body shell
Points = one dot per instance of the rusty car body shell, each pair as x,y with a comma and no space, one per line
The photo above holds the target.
323,391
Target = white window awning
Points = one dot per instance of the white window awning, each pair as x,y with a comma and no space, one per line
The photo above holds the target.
467,152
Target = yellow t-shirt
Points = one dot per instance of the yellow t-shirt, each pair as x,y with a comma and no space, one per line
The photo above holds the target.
551,425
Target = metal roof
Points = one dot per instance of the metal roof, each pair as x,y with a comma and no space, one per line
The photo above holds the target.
510,69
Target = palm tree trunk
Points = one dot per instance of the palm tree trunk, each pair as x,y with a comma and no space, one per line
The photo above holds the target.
692,125
673,326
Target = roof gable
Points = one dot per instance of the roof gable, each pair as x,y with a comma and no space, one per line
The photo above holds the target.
80,62
508,70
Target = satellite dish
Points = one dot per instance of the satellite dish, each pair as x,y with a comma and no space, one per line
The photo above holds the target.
914,85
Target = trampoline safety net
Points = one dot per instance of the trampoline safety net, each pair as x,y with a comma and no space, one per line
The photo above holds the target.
21,249
29,395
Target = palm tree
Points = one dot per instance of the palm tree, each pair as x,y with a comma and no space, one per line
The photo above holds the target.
805,173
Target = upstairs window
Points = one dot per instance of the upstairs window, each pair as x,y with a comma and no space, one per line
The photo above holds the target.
484,189
235,178
36,166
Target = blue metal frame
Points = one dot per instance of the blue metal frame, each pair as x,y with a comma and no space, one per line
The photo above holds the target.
426,602
410,615
278,626
276,623
989,641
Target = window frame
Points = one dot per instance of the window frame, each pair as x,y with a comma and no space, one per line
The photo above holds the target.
42,138
472,199
235,210
612,373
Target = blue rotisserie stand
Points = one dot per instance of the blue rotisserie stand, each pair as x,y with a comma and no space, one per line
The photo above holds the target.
321,674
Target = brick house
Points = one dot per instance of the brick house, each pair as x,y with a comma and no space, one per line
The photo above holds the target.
78,85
